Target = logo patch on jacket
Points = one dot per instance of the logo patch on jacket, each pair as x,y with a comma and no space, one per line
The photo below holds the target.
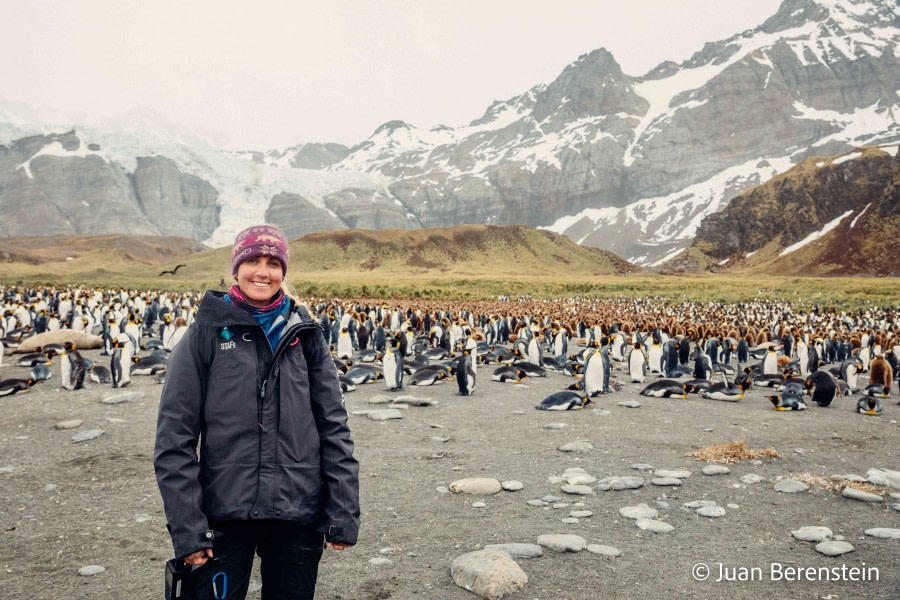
226,334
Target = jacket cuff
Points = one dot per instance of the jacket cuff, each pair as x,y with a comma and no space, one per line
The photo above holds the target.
342,535
188,544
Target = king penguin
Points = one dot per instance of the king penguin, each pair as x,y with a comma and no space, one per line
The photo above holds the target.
770,362
637,364
823,387
71,370
345,344
120,365
563,401
596,372
867,405
465,373
393,366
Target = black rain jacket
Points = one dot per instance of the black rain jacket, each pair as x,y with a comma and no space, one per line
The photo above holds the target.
272,428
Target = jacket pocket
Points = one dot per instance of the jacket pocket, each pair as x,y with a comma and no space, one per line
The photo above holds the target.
299,492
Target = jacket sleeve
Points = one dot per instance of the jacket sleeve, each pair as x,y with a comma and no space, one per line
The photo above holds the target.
175,456
340,471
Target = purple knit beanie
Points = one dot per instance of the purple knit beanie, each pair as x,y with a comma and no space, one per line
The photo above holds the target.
259,240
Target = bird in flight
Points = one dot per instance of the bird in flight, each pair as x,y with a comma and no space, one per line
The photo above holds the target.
172,272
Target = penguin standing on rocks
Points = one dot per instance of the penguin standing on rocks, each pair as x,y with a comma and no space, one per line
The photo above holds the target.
71,370
120,365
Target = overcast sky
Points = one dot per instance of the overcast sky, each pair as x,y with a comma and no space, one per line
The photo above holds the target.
272,74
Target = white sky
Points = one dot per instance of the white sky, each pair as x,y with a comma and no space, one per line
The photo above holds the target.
273,74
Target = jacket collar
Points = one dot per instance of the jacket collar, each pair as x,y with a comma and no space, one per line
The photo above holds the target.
215,312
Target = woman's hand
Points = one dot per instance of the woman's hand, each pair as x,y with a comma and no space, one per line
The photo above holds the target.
338,545
199,557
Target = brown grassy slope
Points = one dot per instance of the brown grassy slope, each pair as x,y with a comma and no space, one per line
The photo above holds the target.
59,248
790,206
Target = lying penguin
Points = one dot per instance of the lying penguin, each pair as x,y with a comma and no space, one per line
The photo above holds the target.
665,388
868,405
563,401
788,402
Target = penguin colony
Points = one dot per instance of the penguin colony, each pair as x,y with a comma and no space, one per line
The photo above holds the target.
676,350
128,322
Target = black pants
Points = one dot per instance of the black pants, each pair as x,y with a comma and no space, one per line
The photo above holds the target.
289,554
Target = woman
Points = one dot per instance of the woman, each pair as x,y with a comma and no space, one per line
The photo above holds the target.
254,382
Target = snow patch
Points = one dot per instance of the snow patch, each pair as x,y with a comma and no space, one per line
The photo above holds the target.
56,148
816,234
722,263
856,218
845,158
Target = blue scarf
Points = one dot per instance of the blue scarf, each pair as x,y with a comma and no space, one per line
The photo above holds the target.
271,318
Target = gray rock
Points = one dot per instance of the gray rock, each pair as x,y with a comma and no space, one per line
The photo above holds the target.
551,499
518,550
603,550
812,534
642,467
578,490
115,420
641,511
790,486
716,470
386,414
297,216
142,518
884,532
856,494
713,512
380,560
581,514
512,485
896,506
563,542
84,436
834,548
70,424
751,478
51,487
654,526
884,478
379,399
91,570
561,505
662,504
579,446
630,404
414,401
389,551
6,470
478,505
477,485
554,425
537,503
694,505
576,478
574,470
665,481
676,474
490,574
620,483
570,521
439,439
121,397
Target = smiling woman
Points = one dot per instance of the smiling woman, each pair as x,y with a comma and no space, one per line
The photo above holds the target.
250,353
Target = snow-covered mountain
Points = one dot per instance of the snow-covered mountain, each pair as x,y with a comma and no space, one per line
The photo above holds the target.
632,164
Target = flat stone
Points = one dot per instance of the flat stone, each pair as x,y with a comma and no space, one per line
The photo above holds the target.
812,533
115,420
716,470
676,474
756,462
489,574
642,467
713,512
884,532
51,487
654,526
84,436
561,505
551,499
562,542
6,470
476,485
91,570
574,470
579,446
478,505
442,489
664,481
414,401
512,485
389,551
536,503
896,506
518,550
620,483
733,506
439,439
849,477
834,548
122,397
581,514
380,560
695,504
379,399
790,486
578,490
386,414
751,478
603,550
884,478
641,511
570,521
856,494
70,424
662,504
579,478
142,518
630,404
554,425
556,479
